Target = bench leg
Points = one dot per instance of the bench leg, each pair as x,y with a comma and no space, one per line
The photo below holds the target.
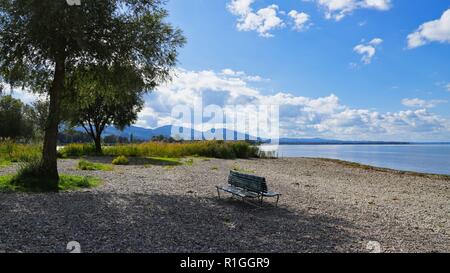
278,198
218,192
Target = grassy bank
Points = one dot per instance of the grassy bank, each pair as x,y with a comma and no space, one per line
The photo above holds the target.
216,149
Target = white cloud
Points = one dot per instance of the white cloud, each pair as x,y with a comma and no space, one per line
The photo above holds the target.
338,9
301,20
433,31
300,116
448,87
419,103
262,21
368,50
24,95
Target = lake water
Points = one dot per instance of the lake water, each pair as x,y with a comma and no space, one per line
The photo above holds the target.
417,158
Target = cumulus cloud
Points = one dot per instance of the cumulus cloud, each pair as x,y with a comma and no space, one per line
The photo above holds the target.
299,116
433,31
262,21
300,19
419,103
338,9
368,50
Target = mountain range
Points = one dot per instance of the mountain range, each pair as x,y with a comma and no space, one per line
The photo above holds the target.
166,131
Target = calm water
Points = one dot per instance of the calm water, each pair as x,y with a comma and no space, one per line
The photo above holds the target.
417,158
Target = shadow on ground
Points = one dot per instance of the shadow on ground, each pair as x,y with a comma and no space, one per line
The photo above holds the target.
105,222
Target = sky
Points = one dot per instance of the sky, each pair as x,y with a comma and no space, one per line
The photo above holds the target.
342,69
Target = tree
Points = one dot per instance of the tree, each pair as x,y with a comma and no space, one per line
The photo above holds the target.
15,119
43,42
105,96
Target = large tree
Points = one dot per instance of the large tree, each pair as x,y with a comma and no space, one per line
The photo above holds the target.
43,42
102,96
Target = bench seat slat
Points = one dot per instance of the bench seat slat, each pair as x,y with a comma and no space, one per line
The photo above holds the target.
239,192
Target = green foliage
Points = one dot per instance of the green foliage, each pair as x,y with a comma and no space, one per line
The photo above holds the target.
215,149
13,152
90,166
104,96
16,119
121,160
77,150
45,44
67,183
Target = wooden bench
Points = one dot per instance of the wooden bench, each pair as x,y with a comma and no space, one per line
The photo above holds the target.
247,186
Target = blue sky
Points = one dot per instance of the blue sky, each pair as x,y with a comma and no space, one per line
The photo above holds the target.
320,57
345,69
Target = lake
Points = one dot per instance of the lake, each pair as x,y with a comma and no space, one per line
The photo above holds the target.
432,158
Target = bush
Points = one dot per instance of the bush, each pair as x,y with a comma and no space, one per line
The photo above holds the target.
121,160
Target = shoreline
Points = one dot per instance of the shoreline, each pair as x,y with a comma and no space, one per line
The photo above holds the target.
380,169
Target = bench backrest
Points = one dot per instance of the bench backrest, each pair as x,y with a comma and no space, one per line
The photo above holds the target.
248,182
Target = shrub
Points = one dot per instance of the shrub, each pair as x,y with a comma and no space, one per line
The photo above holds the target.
121,160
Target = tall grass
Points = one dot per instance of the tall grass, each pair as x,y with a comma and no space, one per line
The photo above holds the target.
14,152
217,149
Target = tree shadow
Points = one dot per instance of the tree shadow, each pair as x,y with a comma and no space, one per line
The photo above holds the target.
109,222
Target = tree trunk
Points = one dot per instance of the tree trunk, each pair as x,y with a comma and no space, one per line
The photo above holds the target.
49,154
98,144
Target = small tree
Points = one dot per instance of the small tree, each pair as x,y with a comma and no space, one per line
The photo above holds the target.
42,42
105,96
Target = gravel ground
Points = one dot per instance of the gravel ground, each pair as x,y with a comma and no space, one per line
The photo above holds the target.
326,207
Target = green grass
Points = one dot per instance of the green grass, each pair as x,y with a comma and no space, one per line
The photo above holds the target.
4,163
13,152
164,161
90,166
189,162
239,169
67,183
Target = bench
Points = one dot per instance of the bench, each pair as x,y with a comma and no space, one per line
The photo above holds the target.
247,186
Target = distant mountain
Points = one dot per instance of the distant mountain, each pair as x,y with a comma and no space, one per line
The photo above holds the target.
148,134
